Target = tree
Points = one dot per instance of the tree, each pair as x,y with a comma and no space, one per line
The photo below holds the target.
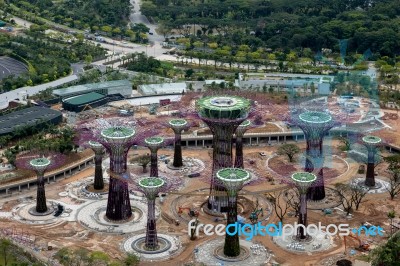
88,60
143,161
131,260
5,245
391,215
346,142
344,192
357,194
387,254
280,205
288,149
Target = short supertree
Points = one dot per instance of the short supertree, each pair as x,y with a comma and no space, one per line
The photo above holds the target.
98,159
372,143
241,129
232,180
315,125
154,143
178,125
151,186
223,114
40,164
303,181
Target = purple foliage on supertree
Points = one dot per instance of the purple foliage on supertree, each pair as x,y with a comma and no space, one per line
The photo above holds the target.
56,159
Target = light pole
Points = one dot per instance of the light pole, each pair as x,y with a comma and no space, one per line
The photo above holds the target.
151,186
233,180
303,180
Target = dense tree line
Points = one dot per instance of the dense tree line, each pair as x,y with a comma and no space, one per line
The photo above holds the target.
287,24
47,59
79,14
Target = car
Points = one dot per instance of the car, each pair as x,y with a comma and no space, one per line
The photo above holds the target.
151,33
263,154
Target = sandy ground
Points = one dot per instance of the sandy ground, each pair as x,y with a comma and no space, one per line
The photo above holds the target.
373,210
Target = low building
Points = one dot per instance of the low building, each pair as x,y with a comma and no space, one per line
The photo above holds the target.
32,117
163,88
80,102
285,82
115,87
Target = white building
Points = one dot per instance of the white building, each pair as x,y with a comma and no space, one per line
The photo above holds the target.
163,88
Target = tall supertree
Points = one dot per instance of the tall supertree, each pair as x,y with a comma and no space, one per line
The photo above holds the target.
98,159
241,129
118,140
40,164
117,135
223,114
315,125
372,143
233,180
178,125
154,143
303,181
151,186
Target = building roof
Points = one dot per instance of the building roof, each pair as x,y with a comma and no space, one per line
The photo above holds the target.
79,89
84,98
26,117
164,88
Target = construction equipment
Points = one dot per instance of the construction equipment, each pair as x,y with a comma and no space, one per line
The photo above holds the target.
362,246
191,212
254,215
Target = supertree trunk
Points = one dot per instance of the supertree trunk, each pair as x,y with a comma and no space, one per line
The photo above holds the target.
153,164
41,206
239,153
178,150
98,172
302,216
151,232
222,158
118,205
315,160
231,246
370,177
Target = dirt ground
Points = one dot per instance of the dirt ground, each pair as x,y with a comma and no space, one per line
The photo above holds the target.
374,210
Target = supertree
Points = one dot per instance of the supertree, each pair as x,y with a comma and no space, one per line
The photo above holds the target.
178,125
98,159
223,114
233,180
303,181
371,143
40,164
241,129
315,125
154,143
117,135
151,186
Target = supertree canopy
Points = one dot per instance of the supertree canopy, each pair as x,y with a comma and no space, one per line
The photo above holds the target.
151,186
315,125
232,179
303,181
118,141
178,125
372,143
40,164
154,143
241,129
223,114
98,159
